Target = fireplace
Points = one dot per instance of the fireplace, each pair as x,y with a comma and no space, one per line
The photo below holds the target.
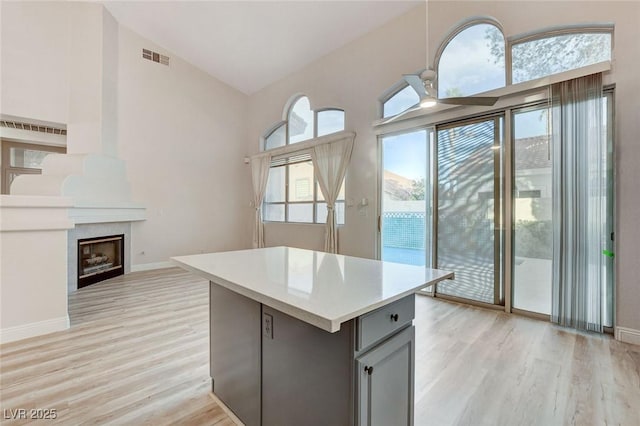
100,258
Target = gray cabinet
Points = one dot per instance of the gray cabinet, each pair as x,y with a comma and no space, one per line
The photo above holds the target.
293,373
385,380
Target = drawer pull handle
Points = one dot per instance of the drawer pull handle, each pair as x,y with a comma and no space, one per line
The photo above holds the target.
368,370
394,317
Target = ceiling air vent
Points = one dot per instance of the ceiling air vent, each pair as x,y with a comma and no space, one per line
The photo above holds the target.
155,57
32,127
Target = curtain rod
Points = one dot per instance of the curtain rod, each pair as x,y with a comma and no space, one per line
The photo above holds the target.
306,145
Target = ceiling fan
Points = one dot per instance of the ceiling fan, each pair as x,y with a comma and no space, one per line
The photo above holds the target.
423,85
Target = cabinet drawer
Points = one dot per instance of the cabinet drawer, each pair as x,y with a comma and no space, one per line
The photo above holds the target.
384,321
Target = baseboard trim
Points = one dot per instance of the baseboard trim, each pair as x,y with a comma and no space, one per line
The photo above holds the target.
151,266
12,334
226,409
627,335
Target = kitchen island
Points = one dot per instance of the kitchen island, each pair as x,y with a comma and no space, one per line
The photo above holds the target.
306,337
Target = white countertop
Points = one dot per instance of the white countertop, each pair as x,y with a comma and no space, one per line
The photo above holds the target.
319,288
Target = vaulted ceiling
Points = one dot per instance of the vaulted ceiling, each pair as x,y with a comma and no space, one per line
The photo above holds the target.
251,44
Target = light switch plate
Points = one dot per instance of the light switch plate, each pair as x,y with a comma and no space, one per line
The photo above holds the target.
267,325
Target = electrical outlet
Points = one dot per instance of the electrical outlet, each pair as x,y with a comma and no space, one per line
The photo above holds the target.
267,325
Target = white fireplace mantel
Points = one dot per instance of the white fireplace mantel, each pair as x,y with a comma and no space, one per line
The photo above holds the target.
34,257
120,212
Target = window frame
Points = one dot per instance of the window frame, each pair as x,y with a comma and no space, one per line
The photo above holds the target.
292,105
550,32
272,130
327,109
314,202
510,41
460,28
391,93
285,122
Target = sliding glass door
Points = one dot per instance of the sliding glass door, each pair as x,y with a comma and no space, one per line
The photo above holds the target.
533,219
458,170
468,200
532,210
405,223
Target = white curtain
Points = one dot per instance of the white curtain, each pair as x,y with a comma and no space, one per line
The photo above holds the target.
579,203
260,165
330,162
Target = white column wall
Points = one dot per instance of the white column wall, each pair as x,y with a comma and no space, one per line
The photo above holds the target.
33,266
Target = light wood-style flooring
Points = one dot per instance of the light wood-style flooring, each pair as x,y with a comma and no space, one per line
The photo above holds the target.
476,366
137,353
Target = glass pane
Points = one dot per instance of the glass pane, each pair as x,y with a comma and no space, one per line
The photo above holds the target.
273,213
301,182
472,62
321,212
330,121
300,121
551,55
402,100
320,197
532,211
466,215
301,212
275,185
26,158
276,138
404,199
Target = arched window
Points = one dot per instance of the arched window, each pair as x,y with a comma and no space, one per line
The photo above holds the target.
472,61
276,137
292,193
302,123
399,101
542,55
329,121
475,58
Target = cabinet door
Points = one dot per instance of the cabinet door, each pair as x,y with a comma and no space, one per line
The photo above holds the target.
385,377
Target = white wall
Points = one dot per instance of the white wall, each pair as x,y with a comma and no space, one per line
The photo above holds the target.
351,78
34,37
181,132
33,263
355,75
182,135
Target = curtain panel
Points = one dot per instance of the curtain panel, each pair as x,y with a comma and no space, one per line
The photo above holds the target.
260,165
330,162
579,203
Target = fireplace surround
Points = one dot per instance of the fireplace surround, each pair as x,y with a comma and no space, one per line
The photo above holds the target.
87,231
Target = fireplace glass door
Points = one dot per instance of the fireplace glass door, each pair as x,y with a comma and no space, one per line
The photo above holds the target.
99,259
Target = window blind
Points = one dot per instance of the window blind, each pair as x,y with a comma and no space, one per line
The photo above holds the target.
293,158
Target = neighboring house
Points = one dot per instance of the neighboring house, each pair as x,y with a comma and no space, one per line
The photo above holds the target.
396,187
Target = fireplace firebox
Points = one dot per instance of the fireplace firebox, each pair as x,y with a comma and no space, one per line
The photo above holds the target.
100,258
